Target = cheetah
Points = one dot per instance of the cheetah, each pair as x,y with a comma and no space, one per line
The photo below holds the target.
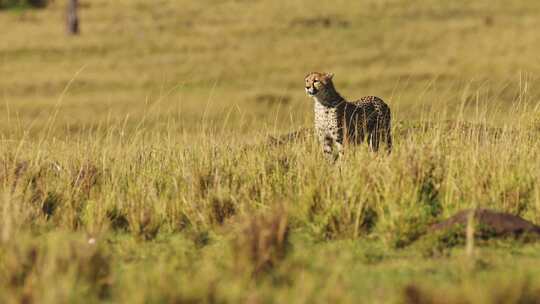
339,122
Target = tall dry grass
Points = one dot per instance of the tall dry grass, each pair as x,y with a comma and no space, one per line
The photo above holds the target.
137,162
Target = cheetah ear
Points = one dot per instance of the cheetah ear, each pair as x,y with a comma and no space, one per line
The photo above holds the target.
329,75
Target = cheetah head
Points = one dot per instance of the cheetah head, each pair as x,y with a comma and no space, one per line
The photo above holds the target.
318,83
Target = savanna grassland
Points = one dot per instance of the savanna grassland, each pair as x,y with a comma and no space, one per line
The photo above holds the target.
137,166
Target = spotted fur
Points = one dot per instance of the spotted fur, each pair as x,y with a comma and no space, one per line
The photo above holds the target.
339,122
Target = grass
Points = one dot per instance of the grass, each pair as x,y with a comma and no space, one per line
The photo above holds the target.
136,163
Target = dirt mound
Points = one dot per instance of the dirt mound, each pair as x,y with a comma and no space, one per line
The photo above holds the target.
497,223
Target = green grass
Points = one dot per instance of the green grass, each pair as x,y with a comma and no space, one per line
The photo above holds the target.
136,166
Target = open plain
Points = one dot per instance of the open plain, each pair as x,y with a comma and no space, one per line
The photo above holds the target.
137,166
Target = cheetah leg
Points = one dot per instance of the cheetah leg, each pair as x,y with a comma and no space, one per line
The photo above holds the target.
327,145
374,138
332,148
339,149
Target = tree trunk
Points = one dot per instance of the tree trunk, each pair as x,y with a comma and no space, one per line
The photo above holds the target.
72,17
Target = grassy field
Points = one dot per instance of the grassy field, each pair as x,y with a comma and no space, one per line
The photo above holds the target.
136,166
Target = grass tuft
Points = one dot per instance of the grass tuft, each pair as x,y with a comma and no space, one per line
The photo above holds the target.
262,243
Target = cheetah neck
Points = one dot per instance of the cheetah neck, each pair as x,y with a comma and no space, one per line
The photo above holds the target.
331,99
332,103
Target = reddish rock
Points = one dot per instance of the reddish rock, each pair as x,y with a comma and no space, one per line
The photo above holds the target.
498,223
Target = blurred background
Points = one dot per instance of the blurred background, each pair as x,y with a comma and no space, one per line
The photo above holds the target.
237,65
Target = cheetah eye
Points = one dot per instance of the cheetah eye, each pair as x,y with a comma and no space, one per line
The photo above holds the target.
315,81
